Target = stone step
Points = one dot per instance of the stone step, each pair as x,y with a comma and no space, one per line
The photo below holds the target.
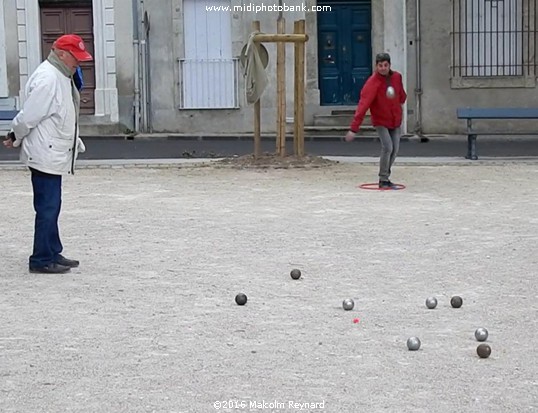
100,126
343,112
108,129
112,129
5,126
341,118
337,128
8,104
338,131
332,120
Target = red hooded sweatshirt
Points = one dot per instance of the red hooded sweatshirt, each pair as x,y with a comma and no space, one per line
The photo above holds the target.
385,111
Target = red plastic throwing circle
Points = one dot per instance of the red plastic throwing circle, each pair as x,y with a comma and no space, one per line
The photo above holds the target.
375,187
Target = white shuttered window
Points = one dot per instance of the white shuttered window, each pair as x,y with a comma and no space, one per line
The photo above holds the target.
208,71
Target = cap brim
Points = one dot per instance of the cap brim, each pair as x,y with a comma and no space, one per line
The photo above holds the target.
82,56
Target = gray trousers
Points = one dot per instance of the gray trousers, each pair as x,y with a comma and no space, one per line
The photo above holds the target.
390,145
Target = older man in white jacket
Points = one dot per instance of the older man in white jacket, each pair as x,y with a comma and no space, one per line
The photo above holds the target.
46,130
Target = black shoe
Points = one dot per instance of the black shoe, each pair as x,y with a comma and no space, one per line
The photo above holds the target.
50,269
66,262
385,184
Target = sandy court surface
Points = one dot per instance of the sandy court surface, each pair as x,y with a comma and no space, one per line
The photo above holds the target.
148,323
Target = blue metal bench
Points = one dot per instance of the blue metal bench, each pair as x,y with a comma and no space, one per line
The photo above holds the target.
6,116
492,113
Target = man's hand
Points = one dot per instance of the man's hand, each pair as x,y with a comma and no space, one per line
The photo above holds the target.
350,135
8,143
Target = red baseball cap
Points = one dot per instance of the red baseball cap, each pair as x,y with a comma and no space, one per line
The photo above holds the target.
74,45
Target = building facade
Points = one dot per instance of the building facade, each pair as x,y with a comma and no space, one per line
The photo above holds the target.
467,53
197,83
30,27
173,66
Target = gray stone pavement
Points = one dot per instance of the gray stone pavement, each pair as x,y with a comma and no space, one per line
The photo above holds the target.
148,323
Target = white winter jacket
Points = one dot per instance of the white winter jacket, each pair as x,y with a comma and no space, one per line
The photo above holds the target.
47,126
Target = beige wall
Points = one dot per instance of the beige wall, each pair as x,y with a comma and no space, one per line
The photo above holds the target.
441,93
167,117
11,47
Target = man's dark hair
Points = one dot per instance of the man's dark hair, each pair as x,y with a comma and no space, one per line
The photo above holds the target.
382,57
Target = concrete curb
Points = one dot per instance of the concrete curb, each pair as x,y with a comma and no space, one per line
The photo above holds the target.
438,160
234,137
121,163
332,136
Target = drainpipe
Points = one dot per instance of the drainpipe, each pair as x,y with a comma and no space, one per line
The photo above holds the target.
136,102
136,51
418,86
147,73
143,89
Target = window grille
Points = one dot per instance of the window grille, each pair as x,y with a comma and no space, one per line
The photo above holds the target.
494,38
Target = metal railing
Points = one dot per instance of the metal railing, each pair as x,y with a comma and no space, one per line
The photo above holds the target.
209,83
494,38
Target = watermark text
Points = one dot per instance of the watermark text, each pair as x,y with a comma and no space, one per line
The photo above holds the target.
263,7
268,405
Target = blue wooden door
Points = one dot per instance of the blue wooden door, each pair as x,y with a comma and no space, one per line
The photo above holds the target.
344,50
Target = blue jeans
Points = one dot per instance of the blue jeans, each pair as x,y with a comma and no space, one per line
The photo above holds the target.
47,205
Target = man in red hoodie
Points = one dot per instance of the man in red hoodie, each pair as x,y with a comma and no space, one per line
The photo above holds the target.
384,94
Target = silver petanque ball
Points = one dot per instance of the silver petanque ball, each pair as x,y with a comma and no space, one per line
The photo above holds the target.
390,92
481,334
431,302
348,304
413,343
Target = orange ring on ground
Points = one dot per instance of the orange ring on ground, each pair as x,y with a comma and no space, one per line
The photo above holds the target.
375,187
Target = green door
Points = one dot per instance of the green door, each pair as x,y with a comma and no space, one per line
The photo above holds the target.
344,50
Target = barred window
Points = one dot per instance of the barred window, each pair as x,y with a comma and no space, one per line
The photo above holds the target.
494,38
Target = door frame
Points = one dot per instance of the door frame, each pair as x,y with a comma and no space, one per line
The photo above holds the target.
70,8
312,58
4,90
106,92
342,3
393,41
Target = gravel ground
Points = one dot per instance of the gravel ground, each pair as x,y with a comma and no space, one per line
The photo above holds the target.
148,323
